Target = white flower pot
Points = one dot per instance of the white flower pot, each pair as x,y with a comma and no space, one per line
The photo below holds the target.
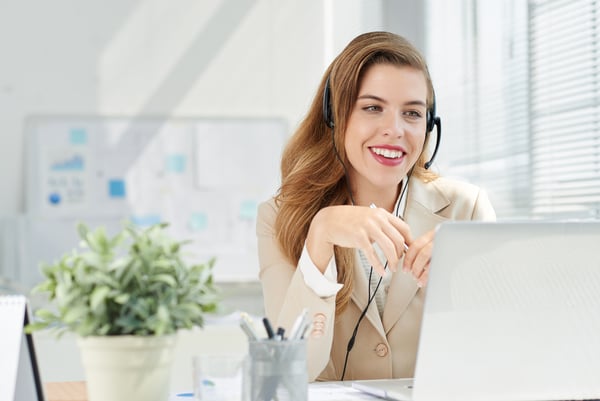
127,368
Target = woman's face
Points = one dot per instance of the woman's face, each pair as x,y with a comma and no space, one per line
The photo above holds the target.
386,129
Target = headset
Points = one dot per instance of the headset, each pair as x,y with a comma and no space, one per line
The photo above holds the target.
433,120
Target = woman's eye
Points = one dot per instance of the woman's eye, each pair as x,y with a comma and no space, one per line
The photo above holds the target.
372,108
413,114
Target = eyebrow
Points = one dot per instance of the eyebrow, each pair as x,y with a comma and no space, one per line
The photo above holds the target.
379,99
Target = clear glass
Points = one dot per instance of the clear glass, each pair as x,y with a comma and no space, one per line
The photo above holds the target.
218,377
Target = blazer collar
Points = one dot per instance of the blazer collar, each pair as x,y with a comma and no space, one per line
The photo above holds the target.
424,201
360,297
426,195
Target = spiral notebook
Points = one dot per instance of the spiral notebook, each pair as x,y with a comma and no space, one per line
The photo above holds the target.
19,373
512,312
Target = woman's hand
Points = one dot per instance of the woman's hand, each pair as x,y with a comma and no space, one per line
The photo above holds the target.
418,257
357,227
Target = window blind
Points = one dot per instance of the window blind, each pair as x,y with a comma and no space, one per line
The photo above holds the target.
485,109
564,50
523,117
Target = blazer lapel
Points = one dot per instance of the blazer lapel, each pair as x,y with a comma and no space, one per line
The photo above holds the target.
422,204
424,201
360,297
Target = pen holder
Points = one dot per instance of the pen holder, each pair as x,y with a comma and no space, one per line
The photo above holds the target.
278,370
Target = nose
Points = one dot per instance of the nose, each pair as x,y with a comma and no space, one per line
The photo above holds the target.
394,125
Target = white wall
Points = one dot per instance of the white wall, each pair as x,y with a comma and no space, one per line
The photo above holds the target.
213,58
217,58
182,58
209,58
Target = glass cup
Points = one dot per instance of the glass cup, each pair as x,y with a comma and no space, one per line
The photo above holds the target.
218,377
277,370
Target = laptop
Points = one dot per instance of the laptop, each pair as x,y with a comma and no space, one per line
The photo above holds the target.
512,312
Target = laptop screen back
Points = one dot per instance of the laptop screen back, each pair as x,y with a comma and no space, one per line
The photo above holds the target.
512,312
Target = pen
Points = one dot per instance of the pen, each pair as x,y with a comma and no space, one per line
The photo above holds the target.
280,333
304,329
268,328
248,326
298,324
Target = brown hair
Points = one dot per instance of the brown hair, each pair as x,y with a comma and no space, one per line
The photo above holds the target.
312,176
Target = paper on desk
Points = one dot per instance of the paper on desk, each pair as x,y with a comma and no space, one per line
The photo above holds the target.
321,391
335,392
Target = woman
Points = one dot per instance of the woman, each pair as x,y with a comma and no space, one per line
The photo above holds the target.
355,216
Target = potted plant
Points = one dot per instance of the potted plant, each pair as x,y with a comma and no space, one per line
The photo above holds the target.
125,297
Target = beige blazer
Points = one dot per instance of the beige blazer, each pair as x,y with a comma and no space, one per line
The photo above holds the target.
386,346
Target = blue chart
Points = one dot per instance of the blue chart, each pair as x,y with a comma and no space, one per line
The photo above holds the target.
65,183
74,163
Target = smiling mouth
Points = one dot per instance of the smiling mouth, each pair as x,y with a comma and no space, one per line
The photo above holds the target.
388,153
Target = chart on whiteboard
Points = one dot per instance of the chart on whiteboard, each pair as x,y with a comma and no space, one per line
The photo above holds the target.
205,177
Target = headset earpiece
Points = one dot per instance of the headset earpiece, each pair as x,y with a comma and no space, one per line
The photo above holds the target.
327,112
431,116
433,121
430,122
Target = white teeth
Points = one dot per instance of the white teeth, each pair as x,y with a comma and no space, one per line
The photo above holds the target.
387,153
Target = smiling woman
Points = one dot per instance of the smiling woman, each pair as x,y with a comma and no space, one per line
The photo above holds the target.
322,247
386,132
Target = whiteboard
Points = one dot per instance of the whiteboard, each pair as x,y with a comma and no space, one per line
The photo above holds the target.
204,176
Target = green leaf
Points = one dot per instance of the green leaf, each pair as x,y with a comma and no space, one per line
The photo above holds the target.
74,314
82,230
122,298
165,278
45,314
98,297
30,328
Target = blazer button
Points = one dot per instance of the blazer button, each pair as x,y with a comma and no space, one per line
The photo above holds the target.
316,333
319,318
318,326
381,350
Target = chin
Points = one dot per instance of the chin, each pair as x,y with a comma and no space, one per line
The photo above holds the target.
386,183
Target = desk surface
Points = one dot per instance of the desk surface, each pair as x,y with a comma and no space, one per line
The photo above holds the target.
76,391
65,391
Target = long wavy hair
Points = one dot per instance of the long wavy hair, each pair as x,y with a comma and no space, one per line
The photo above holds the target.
312,176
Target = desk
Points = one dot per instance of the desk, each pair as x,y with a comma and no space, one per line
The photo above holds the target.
65,391
76,391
